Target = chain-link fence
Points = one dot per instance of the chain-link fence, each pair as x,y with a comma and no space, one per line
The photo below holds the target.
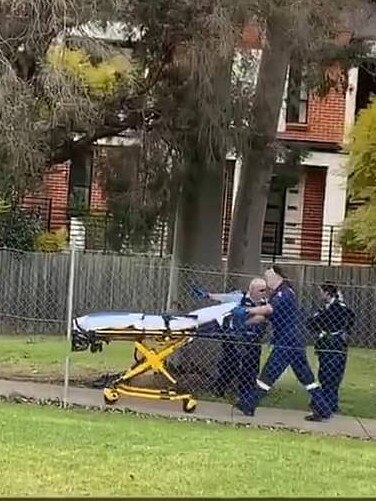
33,292
314,349
313,346
33,314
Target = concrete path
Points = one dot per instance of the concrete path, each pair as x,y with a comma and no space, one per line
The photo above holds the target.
224,413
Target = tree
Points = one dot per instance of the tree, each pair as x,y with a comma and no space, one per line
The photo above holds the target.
186,143
52,103
359,230
137,193
62,87
309,32
199,106
204,114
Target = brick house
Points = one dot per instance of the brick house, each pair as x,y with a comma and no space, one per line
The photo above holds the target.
303,218
62,184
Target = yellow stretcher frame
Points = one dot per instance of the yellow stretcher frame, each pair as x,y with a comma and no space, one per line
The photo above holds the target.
152,359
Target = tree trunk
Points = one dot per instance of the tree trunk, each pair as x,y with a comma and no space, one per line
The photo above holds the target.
199,226
258,162
197,238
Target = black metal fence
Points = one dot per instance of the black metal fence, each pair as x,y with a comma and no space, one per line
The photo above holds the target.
98,230
294,242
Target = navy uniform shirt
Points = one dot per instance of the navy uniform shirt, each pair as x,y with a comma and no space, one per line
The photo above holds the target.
285,316
335,318
236,321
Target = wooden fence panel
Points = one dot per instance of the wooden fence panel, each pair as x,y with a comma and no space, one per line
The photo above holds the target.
33,289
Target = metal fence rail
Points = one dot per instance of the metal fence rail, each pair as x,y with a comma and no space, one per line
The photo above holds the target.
98,230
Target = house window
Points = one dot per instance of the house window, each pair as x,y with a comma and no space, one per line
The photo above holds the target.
80,181
366,85
297,96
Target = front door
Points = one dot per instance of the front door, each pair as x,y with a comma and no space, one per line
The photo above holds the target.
274,217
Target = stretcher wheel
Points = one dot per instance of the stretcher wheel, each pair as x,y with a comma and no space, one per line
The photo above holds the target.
110,396
189,405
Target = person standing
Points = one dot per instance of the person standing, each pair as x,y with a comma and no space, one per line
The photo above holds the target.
242,340
332,324
288,346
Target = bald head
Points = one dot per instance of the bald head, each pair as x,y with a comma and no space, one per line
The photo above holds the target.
257,289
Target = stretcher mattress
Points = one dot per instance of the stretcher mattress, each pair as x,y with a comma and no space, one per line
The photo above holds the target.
112,320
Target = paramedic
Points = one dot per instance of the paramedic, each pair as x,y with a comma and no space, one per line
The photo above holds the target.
331,324
288,347
241,359
241,351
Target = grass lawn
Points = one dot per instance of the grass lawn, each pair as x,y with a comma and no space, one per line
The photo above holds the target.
43,359
49,451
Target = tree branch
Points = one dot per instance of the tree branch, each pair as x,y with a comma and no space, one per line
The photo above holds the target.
135,120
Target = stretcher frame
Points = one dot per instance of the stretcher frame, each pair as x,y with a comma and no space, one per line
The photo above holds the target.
152,359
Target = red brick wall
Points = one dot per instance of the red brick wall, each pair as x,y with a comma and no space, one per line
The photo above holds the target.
57,188
97,196
326,118
356,258
54,193
313,213
52,196
252,38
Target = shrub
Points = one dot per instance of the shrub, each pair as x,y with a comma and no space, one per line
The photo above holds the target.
19,229
52,241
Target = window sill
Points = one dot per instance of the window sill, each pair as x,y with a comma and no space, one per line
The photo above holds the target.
296,126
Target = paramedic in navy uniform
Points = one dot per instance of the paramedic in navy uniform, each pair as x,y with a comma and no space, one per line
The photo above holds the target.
331,324
288,347
241,352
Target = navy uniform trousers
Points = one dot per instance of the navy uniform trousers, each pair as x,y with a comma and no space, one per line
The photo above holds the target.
239,361
279,360
331,351
333,323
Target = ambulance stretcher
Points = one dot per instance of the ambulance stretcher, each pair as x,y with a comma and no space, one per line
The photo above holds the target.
155,337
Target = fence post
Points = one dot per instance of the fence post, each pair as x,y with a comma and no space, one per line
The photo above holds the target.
330,246
49,216
172,283
71,279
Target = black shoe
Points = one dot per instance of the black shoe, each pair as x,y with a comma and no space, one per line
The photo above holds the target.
246,411
315,418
